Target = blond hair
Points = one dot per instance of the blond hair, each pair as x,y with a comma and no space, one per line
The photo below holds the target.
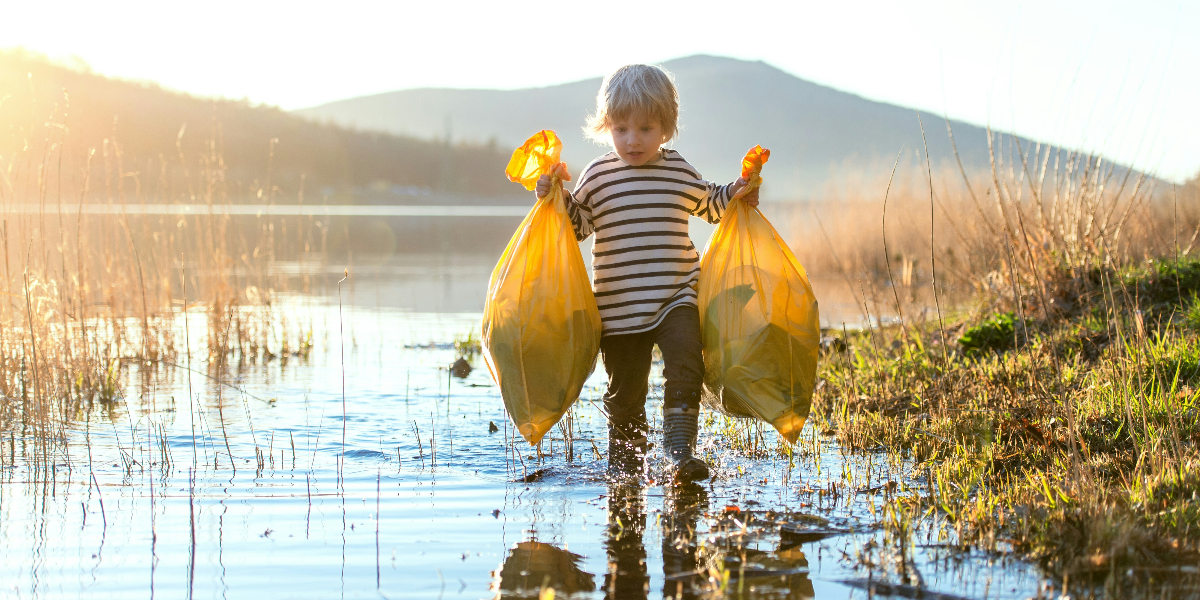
635,89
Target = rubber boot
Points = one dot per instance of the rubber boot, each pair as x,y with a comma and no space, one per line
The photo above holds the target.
681,424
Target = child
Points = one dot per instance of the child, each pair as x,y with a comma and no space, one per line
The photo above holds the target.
637,200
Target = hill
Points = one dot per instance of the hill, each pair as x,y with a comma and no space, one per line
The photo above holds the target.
151,134
815,133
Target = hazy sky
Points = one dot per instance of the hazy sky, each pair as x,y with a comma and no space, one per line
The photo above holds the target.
1120,78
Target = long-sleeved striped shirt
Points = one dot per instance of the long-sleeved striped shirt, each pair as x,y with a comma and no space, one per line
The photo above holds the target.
644,264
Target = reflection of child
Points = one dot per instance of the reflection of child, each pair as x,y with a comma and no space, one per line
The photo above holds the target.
637,200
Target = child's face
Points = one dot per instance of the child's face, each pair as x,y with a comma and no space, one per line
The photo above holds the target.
636,139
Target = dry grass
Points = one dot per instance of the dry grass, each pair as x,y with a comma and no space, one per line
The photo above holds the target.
1055,413
1076,444
88,297
1044,220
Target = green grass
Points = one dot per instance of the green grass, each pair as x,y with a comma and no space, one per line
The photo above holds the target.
995,333
1078,448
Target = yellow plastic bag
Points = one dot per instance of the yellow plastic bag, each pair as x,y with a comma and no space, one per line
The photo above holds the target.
541,327
759,318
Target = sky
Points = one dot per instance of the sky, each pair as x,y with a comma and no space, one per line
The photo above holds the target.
1116,78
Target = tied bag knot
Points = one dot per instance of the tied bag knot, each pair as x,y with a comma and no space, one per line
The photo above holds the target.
752,166
540,156
559,174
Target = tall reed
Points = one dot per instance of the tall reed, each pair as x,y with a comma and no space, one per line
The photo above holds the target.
94,298
1035,224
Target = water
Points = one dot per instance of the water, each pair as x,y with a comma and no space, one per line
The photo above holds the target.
454,283
365,469
431,252
420,500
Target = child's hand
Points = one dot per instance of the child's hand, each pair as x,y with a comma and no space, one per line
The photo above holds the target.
751,197
545,182
543,186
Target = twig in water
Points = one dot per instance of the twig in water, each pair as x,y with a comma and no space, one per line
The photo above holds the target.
100,496
192,522
342,346
420,448
187,348
377,476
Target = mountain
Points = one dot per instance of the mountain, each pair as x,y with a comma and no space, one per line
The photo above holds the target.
161,140
814,132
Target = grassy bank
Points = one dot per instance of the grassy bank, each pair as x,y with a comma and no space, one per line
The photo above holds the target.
1041,365
1071,436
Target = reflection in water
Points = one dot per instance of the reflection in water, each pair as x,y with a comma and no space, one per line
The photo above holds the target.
532,566
762,574
735,554
319,526
682,509
729,559
626,576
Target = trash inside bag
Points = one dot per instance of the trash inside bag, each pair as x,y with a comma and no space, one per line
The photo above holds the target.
760,323
541,327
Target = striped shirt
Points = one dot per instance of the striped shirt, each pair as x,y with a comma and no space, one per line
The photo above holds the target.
644,264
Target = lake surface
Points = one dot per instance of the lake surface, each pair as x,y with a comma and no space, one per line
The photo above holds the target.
456,283
423,256
367,469
275,483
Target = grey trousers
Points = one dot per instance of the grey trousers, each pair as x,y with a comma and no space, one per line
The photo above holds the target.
627,361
